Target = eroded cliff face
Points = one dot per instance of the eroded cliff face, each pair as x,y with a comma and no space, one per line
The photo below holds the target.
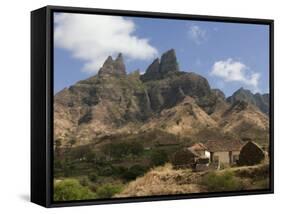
183,103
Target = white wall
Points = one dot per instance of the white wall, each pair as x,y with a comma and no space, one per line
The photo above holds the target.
223,156
15,99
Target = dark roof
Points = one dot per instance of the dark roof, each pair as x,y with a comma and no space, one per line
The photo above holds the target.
222,146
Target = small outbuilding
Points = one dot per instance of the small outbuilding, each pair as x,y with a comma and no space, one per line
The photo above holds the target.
184,158
251,154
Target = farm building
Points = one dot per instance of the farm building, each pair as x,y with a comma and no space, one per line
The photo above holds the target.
184,158
224,151
251,154
200,150
209,155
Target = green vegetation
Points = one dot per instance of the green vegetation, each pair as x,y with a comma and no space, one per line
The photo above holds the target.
226,181
71,189
108,190
121,150
159,157
134,172
93,176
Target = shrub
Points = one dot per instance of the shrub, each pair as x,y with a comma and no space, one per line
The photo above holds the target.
84,181
262,184
78,152
133,172
121,150
106,171
136,148
222,182
71,189
93,176
108,190
91,156
158,158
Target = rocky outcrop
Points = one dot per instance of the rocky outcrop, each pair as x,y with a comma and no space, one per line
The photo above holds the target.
169,62
113,67
113,102
259,100
167,92
218,93
152,72
159,69
262,102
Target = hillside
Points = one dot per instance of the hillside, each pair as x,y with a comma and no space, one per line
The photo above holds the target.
261,101
165,180
112,131
164,97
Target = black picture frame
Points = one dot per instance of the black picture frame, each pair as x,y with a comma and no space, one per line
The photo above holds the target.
42,103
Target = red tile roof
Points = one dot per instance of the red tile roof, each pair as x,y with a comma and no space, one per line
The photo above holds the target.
198,147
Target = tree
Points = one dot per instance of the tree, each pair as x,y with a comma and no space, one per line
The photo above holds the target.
158,157
133,172
79,152
71,189
58,144
93,176
108,190
136,148
91,156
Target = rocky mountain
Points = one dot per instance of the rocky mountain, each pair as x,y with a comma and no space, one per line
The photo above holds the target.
113,67
177,102
159,68
245,120
259,100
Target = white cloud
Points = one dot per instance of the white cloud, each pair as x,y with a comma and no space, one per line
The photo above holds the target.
235,71
91,38
197,34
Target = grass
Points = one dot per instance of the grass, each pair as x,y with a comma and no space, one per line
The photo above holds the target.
226,181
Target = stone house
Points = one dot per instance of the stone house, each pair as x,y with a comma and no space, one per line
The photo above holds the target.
224,151
207,156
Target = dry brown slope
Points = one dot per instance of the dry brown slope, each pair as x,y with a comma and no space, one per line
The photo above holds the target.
164,181
186,118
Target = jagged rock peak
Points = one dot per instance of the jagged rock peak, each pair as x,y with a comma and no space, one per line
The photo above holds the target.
115,67
154,66
119,64
169,62
108,61
158,68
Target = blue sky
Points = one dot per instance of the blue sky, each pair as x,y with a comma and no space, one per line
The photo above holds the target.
229,55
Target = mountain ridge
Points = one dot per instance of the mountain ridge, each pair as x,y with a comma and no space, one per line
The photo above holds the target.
114,102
